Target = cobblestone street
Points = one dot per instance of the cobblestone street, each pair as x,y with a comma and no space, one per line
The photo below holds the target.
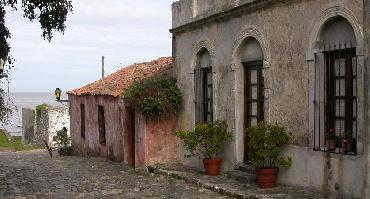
34,175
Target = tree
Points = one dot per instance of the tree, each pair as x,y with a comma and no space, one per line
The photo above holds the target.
51,14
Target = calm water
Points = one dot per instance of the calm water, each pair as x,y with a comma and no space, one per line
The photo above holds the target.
28,100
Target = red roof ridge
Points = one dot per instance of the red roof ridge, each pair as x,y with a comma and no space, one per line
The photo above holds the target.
116,83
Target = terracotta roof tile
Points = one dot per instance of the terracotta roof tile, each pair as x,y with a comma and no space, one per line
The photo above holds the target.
116,83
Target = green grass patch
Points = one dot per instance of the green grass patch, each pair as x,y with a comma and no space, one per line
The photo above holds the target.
14,145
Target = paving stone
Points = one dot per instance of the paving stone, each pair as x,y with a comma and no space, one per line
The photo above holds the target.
33,174
230,186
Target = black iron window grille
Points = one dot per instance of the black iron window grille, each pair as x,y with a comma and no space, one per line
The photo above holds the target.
101,123
203,94
335,100
83,122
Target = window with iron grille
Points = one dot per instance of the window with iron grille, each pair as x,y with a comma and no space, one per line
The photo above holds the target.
101,122
82,110
203,90
336,100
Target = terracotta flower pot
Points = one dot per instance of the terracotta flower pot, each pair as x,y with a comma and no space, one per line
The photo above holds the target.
212,166
267,177
332,145
346,146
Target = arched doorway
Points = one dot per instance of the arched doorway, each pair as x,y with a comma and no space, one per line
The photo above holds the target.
252,57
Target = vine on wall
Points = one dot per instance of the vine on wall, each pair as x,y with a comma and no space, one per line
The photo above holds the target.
40,108
154,97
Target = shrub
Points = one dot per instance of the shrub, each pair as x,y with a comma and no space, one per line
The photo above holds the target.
209,139
62,138
65,151
151,107
64,141
155,97
266,141
40,108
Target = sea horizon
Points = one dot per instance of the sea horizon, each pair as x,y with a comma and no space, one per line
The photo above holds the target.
27,100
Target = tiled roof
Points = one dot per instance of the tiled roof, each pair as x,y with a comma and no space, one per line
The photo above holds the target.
116,83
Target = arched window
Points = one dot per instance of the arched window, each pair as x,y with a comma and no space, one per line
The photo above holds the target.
203,88
336,88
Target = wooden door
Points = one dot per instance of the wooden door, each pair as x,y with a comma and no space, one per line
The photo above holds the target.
253,100
130,122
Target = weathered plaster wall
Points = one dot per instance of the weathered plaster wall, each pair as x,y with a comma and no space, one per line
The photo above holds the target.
367,67
148,143
161,142
151,142
113,124
367,185
340,174
28,125
42,128
284,31
186,11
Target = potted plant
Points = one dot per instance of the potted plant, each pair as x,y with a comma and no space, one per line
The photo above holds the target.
346,142
266,141
331,140
208,139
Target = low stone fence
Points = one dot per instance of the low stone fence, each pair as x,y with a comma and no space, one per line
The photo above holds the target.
43,124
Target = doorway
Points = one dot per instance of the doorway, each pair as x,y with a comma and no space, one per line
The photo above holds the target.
253,100
131,138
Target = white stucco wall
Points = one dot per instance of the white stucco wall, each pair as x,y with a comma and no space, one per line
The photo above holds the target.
58,118
44,125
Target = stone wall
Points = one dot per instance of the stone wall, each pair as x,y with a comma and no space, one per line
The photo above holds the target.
285,30
28,125
43,125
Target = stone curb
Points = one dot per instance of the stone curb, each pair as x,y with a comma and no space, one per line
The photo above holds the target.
198,182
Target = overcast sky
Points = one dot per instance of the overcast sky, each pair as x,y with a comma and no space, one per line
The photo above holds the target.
124,31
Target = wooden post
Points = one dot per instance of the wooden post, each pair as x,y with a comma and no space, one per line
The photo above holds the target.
102,67
48,148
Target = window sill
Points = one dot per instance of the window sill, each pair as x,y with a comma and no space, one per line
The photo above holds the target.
337,151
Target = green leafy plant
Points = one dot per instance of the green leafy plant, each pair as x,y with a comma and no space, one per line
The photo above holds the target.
62,138
209,139
332,137
40,108
155,97
51,15
151,107
64,141
266,141
347,136
14,144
